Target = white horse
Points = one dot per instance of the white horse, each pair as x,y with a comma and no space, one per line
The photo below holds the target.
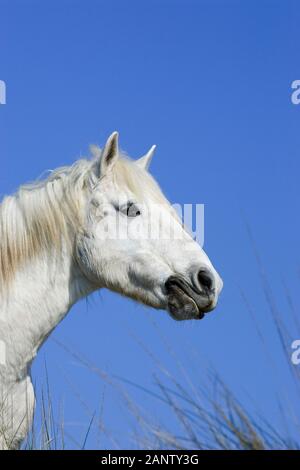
59,243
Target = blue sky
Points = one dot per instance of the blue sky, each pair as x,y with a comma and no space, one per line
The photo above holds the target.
209,82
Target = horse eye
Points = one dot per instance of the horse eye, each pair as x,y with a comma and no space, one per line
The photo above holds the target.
132,210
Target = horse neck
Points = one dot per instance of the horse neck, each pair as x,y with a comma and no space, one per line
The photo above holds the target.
40,295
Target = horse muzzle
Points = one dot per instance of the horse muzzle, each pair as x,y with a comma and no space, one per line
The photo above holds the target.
192,300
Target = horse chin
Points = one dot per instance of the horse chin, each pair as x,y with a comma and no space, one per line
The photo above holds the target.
183,307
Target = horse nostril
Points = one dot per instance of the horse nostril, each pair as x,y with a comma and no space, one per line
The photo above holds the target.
205,279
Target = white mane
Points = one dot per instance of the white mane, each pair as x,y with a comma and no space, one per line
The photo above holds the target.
42,214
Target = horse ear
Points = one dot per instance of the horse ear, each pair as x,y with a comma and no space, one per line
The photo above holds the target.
109,154
144,162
